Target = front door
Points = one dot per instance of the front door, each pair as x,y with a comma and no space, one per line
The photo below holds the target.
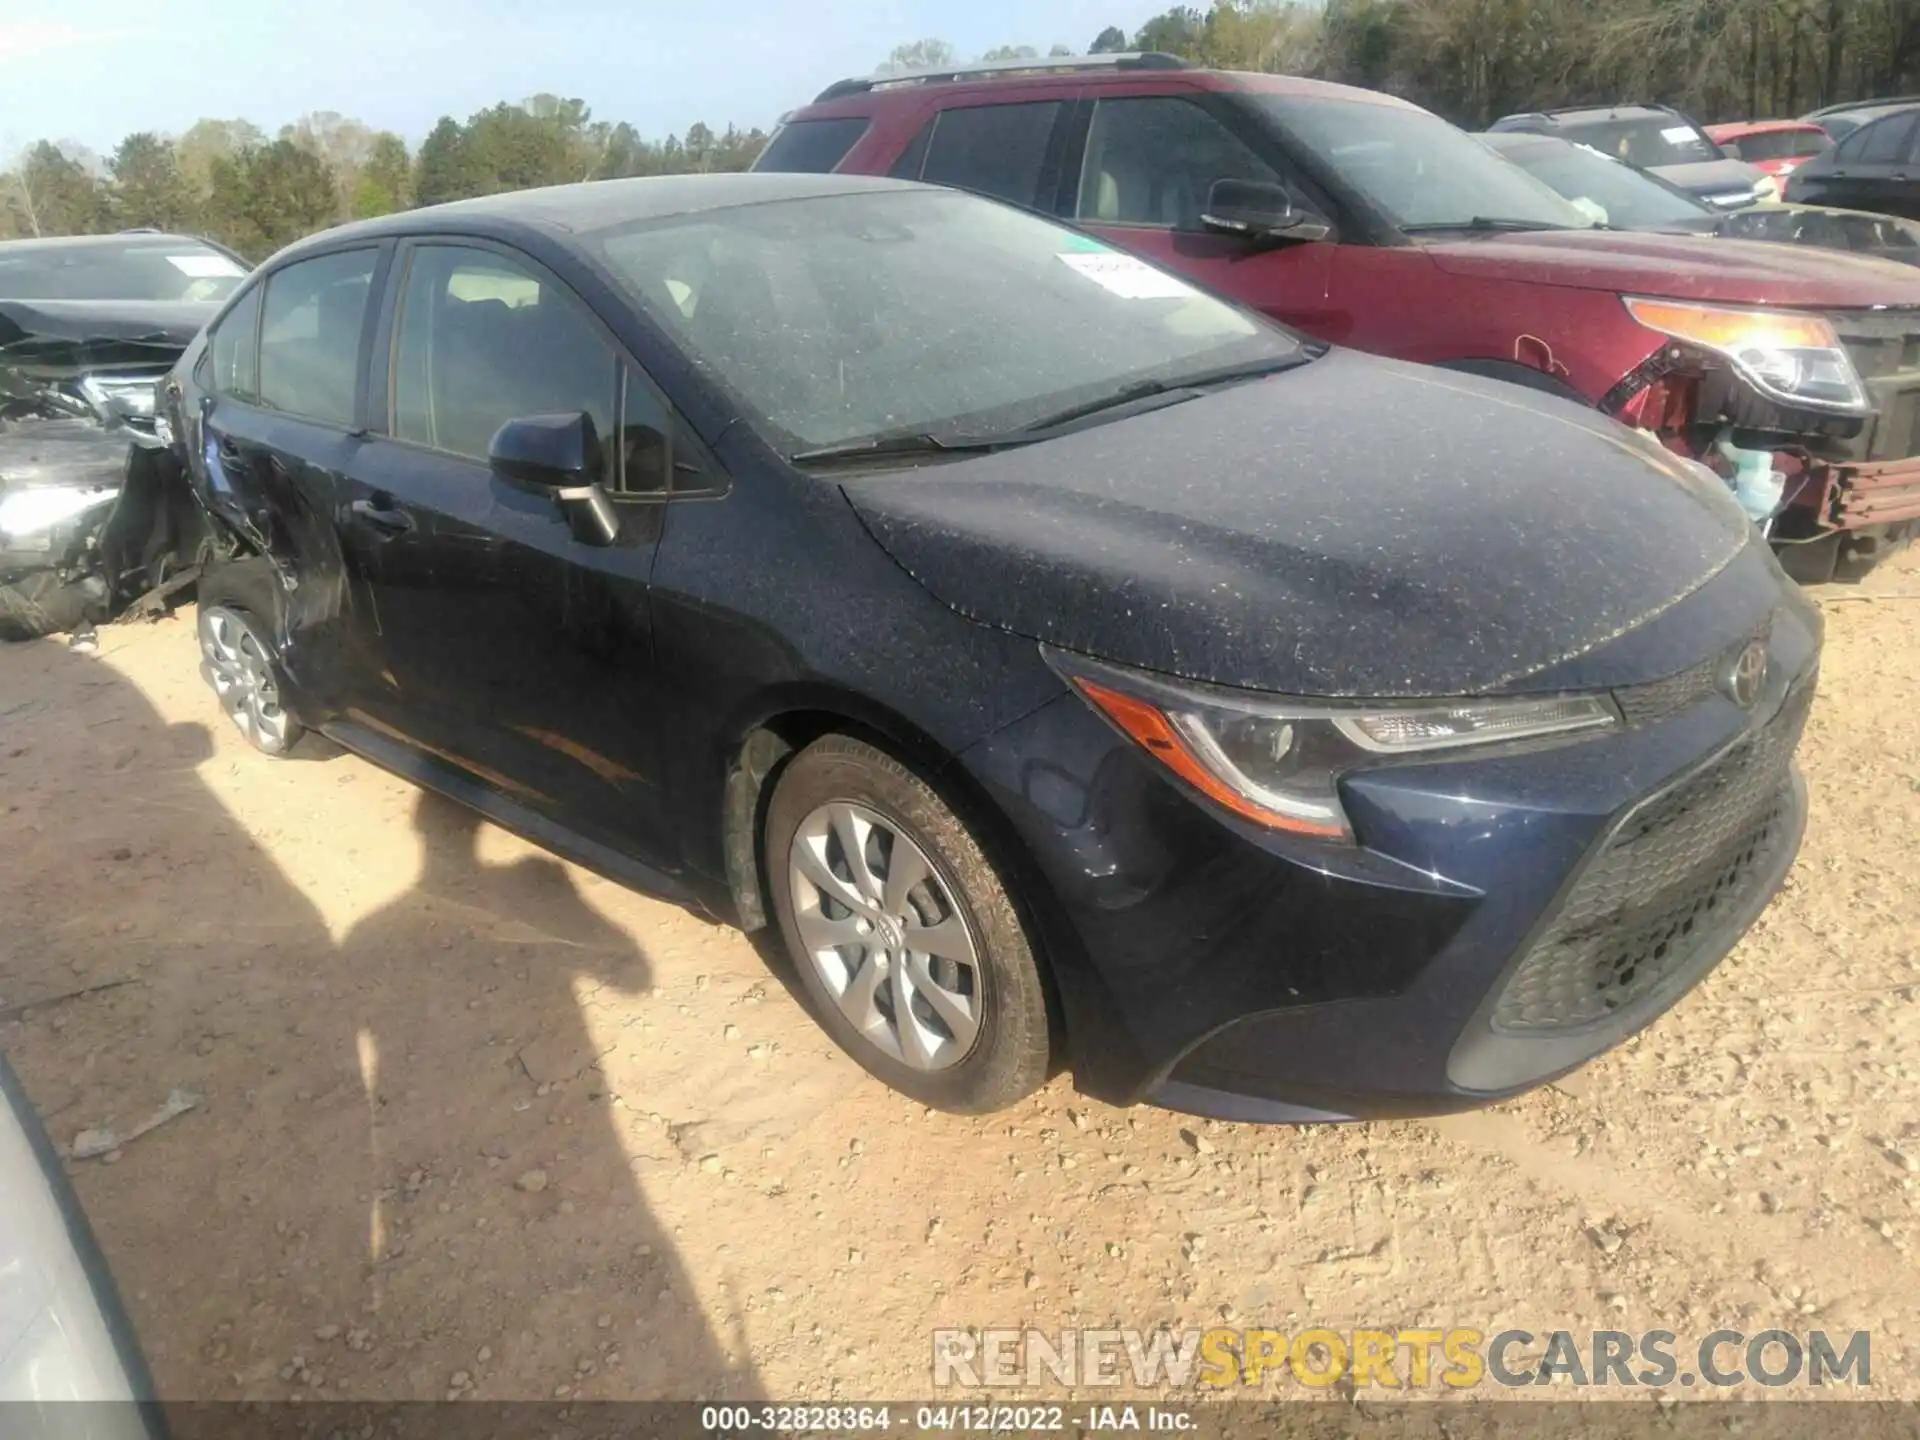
510,647
1148,165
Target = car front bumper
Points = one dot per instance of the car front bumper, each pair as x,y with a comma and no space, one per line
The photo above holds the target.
1503,920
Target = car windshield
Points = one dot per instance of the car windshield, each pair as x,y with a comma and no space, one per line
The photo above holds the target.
1649,142
919,312
1421,172
1613,193
172,270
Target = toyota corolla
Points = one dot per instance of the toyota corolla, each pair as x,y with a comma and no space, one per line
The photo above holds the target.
1075,668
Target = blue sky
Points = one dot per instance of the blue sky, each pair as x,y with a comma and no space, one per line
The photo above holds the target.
94,71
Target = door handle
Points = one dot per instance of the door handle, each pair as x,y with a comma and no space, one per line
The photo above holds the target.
383,517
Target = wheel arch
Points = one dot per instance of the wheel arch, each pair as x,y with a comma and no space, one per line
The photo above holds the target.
752,767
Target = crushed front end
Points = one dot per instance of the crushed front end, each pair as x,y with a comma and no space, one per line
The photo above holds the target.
94,517
1812,418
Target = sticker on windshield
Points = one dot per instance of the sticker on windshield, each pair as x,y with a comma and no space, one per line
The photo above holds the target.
1086,244
1127,277
1677,134
204,267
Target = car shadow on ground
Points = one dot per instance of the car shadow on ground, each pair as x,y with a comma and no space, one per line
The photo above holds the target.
409,1117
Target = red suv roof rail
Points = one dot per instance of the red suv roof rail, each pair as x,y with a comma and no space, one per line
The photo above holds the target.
1002,69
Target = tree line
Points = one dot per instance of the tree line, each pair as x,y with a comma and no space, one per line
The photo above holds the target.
1470,60
225,179
1475,60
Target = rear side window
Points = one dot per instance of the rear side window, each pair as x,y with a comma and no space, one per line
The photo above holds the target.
1885,143
310,328
811,147
235,350
996,150
1782,145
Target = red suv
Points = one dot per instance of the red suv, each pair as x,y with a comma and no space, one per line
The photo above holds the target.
1369,222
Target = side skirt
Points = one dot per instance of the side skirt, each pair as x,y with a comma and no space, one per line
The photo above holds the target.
444,779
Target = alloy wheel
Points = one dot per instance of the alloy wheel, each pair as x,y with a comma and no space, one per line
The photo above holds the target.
882,930
238,664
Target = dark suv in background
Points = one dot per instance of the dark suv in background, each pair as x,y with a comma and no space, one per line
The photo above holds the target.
1877,167
1655,138
1366,221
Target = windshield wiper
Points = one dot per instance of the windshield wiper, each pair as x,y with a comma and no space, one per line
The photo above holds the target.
889,446
1485,225
1177,389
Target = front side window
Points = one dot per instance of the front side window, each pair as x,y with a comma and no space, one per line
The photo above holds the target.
1151,160
918,312
310,328
169,271
1653,141
484,339
810,147
1416,169
996,150
234,347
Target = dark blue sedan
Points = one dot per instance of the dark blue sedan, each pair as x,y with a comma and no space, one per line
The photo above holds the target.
1074,668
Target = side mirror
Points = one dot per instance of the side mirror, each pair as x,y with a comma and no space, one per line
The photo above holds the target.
1260,210
559,456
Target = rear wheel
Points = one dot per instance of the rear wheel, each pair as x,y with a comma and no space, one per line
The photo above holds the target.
237,656
902,932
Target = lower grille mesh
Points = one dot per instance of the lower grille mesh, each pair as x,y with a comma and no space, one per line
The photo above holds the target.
1671,872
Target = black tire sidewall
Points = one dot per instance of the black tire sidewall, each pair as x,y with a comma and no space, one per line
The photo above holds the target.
1010,1057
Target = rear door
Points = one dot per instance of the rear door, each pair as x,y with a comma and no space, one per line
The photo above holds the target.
282,425
511,648
1139,174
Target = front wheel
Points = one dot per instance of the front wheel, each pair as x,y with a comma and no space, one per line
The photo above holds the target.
902,932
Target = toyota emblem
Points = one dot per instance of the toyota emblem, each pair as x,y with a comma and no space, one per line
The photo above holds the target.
1747,674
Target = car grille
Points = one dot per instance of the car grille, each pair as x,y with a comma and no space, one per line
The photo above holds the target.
1885,348
1661,699
1669,874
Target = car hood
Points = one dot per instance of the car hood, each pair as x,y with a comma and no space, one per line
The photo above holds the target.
1709,177
1680,267
30,325
1356,527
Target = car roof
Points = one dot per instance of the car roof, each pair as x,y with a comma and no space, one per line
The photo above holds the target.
1852,107
1632,110
1740,129
866,96
604,204
120,240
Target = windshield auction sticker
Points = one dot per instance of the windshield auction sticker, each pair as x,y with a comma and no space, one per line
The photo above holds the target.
1128,277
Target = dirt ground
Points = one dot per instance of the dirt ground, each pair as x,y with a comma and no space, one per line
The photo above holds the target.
478,1122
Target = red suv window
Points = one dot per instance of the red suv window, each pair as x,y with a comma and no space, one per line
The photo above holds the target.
997,150
811,146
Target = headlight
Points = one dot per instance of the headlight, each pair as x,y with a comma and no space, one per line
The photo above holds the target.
1786,355
28,512
1278,762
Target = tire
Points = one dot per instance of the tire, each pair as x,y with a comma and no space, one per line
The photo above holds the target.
238,618
41,604
956,905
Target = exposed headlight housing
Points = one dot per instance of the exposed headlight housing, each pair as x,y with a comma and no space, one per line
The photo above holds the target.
1787,355
1278,762
133,394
